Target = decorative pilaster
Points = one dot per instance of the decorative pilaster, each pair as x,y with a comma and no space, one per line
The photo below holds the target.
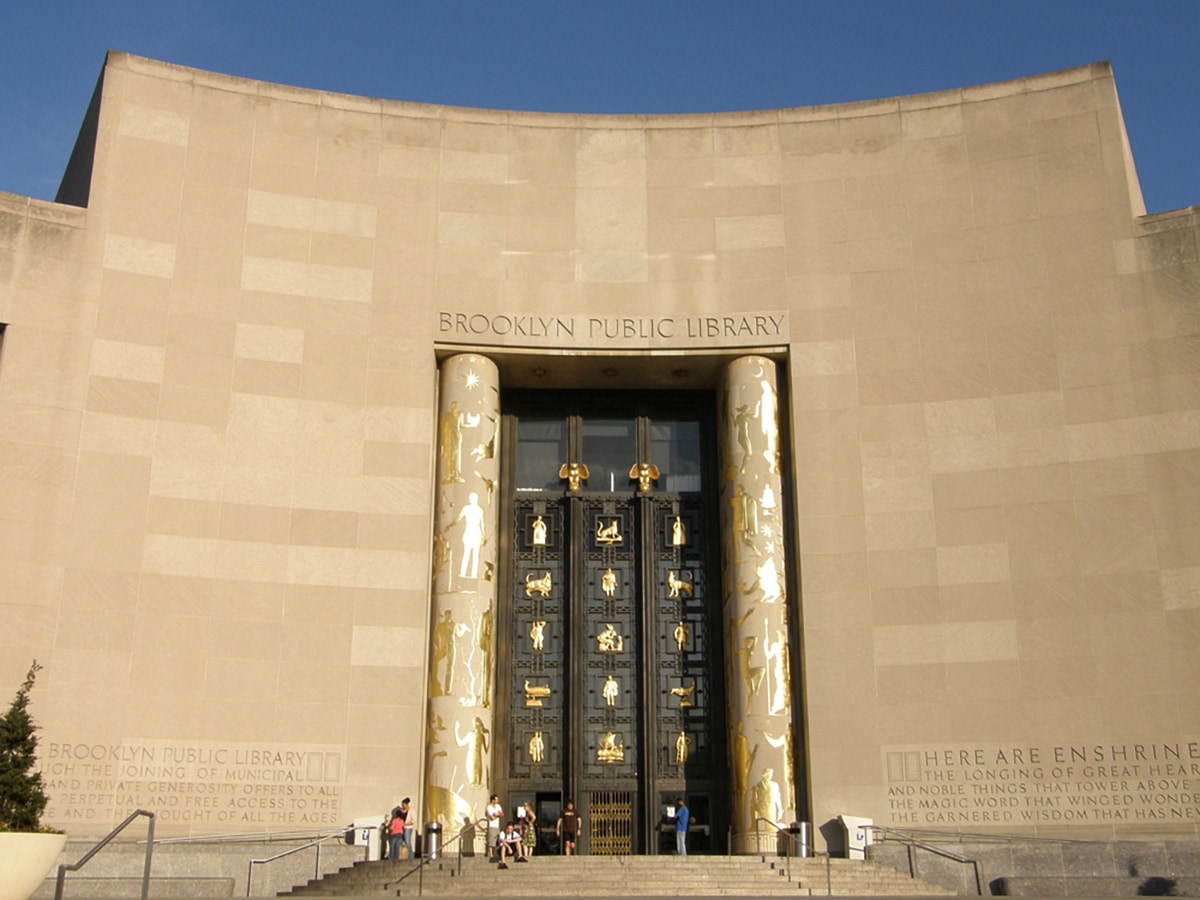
758,686
462,624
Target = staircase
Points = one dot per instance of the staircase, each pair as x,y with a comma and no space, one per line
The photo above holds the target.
625,876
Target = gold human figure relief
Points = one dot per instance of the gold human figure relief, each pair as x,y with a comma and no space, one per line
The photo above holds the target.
486,450
608,583
484,637
779,691
537,747
768,420
608,641
684,694
539,532
541,586
743,762
678,533
766,800
535,693
789,761
477,743
745,519
682,743
752,676
453,422
537,633
682,633
643,473
610,691
741,423
445,654
609,534
610,750
473,537
573,473
678,587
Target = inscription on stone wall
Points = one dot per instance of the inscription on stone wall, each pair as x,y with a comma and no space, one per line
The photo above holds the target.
1087,783
227,788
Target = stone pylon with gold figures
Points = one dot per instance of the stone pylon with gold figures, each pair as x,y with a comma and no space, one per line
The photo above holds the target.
462,620
758,683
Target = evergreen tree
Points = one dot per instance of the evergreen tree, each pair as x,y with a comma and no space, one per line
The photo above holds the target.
22,798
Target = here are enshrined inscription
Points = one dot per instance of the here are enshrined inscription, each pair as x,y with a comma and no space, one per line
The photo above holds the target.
1094,784
193,783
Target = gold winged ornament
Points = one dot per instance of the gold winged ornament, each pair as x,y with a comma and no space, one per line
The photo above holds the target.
573,473
643,474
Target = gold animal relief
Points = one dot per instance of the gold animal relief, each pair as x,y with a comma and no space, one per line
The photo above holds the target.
542,585
535,693
608,534
678,587
684,694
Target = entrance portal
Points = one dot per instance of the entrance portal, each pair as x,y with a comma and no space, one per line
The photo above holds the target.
610,668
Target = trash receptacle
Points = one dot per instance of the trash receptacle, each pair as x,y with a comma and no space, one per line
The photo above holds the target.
801,833
433,840
857,831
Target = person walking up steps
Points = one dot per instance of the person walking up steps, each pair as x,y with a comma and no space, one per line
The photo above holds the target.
567,828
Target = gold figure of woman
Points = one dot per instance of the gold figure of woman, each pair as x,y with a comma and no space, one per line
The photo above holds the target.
682,743
477,744
539,532
678,533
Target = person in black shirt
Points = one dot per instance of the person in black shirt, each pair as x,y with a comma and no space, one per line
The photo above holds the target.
567,828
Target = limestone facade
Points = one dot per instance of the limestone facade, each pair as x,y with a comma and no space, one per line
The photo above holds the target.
219,431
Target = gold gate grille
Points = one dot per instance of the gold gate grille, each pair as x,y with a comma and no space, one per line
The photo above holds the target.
611,832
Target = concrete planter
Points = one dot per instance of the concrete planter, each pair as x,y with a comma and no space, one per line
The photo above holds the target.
26,860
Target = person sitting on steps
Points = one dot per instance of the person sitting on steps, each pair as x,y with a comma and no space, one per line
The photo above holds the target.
508,845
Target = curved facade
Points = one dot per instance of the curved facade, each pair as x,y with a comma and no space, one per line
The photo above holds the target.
911,525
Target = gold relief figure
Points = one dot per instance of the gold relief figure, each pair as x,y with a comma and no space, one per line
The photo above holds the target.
537,633
435,727
745,520
768,420
574,473
643,473
489,485
452,424
445,654
441,555
684,694
682,632
539,532
779,690
484,636
610,750
608,534
682,743
541,585
608,641
741,424
766,580
789,760
610,691
608,583
477,743
768,503
766,801
535,693
752,676
678,533
471,515
537,747
678,587
443,803
743,762
486,450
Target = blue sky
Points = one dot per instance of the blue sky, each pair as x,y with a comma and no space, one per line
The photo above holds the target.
627,56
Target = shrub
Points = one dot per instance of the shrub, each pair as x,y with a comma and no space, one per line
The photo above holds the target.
22,796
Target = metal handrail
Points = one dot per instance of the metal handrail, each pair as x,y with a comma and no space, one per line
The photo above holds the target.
425,860
75,867
911,844
317,865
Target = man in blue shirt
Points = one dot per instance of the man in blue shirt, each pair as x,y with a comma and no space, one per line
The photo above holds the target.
681,826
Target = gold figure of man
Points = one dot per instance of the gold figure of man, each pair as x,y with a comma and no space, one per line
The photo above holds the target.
608,641
678,533
537,747
608,583
608,534
539,532
537,633
766,800
574,473
610,691
644,473
682,633
682,743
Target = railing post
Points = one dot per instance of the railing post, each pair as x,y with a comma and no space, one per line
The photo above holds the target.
149,855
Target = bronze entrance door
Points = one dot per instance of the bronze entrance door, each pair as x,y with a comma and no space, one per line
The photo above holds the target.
609,663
